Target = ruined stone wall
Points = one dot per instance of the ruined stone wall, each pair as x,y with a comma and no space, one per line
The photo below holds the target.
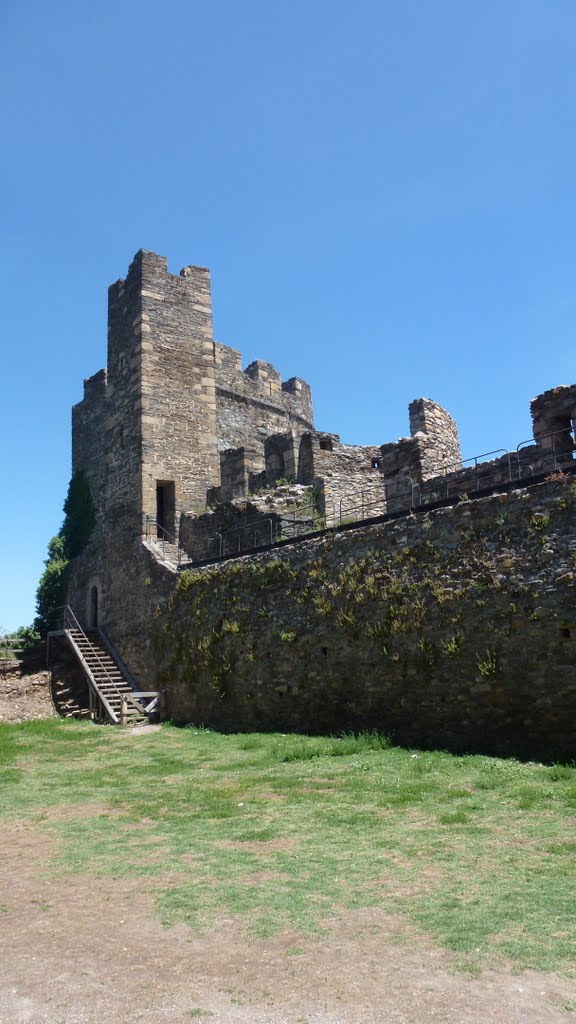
349,478
455,628
440,444
240,525
255,403
89,426
363,481
554,412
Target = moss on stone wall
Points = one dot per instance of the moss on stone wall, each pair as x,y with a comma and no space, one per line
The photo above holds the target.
444,629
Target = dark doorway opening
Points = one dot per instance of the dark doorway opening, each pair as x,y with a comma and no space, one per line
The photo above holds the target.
94,606
305,461
165,509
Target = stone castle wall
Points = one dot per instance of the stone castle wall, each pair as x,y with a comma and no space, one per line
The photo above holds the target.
173,399
256,402
455,628
175,417
132,584
438,434
160,416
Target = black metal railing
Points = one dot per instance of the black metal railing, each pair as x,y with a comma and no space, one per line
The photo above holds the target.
166,542
453,481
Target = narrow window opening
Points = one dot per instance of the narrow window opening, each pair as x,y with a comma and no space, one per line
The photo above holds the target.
325,444
376,463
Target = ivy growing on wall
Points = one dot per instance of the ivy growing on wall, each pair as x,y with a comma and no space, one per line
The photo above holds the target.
447,632
391,602
69,542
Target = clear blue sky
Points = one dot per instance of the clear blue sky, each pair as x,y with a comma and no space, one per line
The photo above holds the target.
384,192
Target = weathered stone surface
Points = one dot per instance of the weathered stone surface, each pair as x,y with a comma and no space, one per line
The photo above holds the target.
282,512
480,649
447,629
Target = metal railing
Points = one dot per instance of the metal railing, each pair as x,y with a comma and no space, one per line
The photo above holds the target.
161,538
558,452
136,697
237,539
453,481
265,530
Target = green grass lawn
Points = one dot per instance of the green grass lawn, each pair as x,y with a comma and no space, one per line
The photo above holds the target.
289,831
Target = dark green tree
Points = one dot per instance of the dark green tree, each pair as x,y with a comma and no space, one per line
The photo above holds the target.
70,541
79,517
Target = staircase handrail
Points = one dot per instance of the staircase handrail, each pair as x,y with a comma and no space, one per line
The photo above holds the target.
149,521
69,614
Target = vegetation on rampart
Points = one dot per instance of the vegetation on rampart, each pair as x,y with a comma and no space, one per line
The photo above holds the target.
383,598
442,609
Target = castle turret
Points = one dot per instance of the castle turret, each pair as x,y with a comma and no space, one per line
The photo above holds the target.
161,385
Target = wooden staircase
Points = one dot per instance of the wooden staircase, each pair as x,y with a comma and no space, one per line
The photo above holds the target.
113,694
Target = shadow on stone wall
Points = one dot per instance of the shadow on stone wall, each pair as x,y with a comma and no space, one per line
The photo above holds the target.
453,629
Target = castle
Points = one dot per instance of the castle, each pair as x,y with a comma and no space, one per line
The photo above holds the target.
180,444
175,424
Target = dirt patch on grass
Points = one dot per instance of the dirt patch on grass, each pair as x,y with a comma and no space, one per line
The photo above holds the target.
262,847
25,696
81,951
257,877
72,812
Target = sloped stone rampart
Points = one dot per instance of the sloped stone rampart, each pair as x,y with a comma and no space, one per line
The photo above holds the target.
455,628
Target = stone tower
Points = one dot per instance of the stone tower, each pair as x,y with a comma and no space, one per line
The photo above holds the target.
145,432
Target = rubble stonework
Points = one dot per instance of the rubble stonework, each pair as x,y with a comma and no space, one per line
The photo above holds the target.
174,426
181,446
454,628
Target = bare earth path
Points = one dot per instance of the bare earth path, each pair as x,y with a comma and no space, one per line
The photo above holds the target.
74,951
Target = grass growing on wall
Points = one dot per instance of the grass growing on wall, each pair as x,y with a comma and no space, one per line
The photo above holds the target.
475,853
311,637
420,605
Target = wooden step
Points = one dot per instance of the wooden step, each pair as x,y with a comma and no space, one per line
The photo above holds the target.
107,681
